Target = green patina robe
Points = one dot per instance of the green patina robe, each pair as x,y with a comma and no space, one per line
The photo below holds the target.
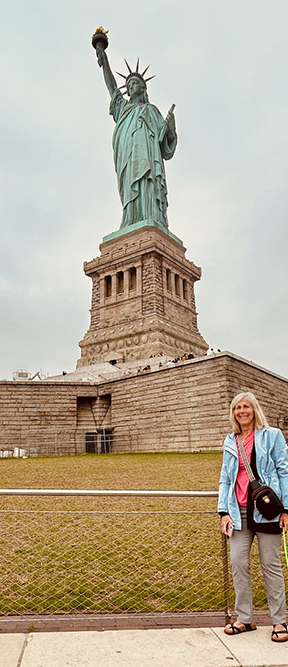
140,144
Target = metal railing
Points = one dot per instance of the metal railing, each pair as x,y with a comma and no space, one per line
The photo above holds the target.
109,493
113,551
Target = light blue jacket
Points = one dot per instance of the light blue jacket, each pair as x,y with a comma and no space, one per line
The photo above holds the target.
272,467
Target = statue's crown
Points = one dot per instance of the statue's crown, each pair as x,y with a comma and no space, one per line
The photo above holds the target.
136,73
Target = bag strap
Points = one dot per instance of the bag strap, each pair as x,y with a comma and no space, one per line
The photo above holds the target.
245,460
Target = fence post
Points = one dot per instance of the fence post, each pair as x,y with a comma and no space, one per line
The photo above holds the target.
225,578
189,437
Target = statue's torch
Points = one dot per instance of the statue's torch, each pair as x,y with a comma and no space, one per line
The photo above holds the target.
100,38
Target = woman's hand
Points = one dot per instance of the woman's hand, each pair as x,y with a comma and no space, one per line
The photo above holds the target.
224,520
283,521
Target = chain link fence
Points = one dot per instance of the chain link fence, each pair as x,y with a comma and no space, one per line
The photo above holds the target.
114,552
67,441
112,438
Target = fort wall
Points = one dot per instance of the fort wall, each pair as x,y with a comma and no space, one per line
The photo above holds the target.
181,408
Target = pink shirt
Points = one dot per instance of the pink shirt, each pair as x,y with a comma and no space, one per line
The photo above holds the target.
242,480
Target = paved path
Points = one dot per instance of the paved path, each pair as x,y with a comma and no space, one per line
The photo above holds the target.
169,647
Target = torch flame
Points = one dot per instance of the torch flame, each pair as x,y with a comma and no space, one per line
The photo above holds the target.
101,29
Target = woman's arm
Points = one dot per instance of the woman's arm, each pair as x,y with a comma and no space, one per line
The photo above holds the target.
280,458
224,485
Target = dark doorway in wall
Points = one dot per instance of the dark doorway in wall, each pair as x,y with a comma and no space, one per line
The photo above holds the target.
104,439
91,443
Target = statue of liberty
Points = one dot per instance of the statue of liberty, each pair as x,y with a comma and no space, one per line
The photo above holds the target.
142,139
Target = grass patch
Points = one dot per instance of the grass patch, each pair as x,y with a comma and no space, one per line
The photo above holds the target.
114,471
112,554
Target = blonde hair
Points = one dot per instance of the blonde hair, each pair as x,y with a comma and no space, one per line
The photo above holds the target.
259,417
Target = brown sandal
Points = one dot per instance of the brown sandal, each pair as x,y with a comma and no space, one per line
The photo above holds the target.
275,633
234,630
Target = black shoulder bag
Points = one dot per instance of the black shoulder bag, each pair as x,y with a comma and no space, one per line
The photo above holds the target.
264,498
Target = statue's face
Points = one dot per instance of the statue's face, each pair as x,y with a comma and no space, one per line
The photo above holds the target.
134,87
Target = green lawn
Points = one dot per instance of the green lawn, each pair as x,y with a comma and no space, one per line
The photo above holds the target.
114,471
70,555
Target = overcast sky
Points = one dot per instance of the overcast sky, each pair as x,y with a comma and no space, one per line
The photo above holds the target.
223,63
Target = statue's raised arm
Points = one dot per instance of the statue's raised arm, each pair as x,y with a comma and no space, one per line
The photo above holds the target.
107,72
142,140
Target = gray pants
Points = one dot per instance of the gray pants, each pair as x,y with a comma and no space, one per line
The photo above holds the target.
269,546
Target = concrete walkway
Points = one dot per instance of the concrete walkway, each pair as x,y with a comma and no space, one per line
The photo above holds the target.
186,647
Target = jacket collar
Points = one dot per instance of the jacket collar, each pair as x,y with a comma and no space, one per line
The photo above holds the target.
230,440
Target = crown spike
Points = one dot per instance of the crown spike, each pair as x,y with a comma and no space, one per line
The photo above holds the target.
149,78
145,70
129,68
123,75
137,66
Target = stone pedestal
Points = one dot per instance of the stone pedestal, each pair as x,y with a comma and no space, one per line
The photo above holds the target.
142,299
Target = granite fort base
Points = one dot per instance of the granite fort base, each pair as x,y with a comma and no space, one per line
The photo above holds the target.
182,408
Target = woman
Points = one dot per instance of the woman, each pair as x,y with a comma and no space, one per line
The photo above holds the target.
266,452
